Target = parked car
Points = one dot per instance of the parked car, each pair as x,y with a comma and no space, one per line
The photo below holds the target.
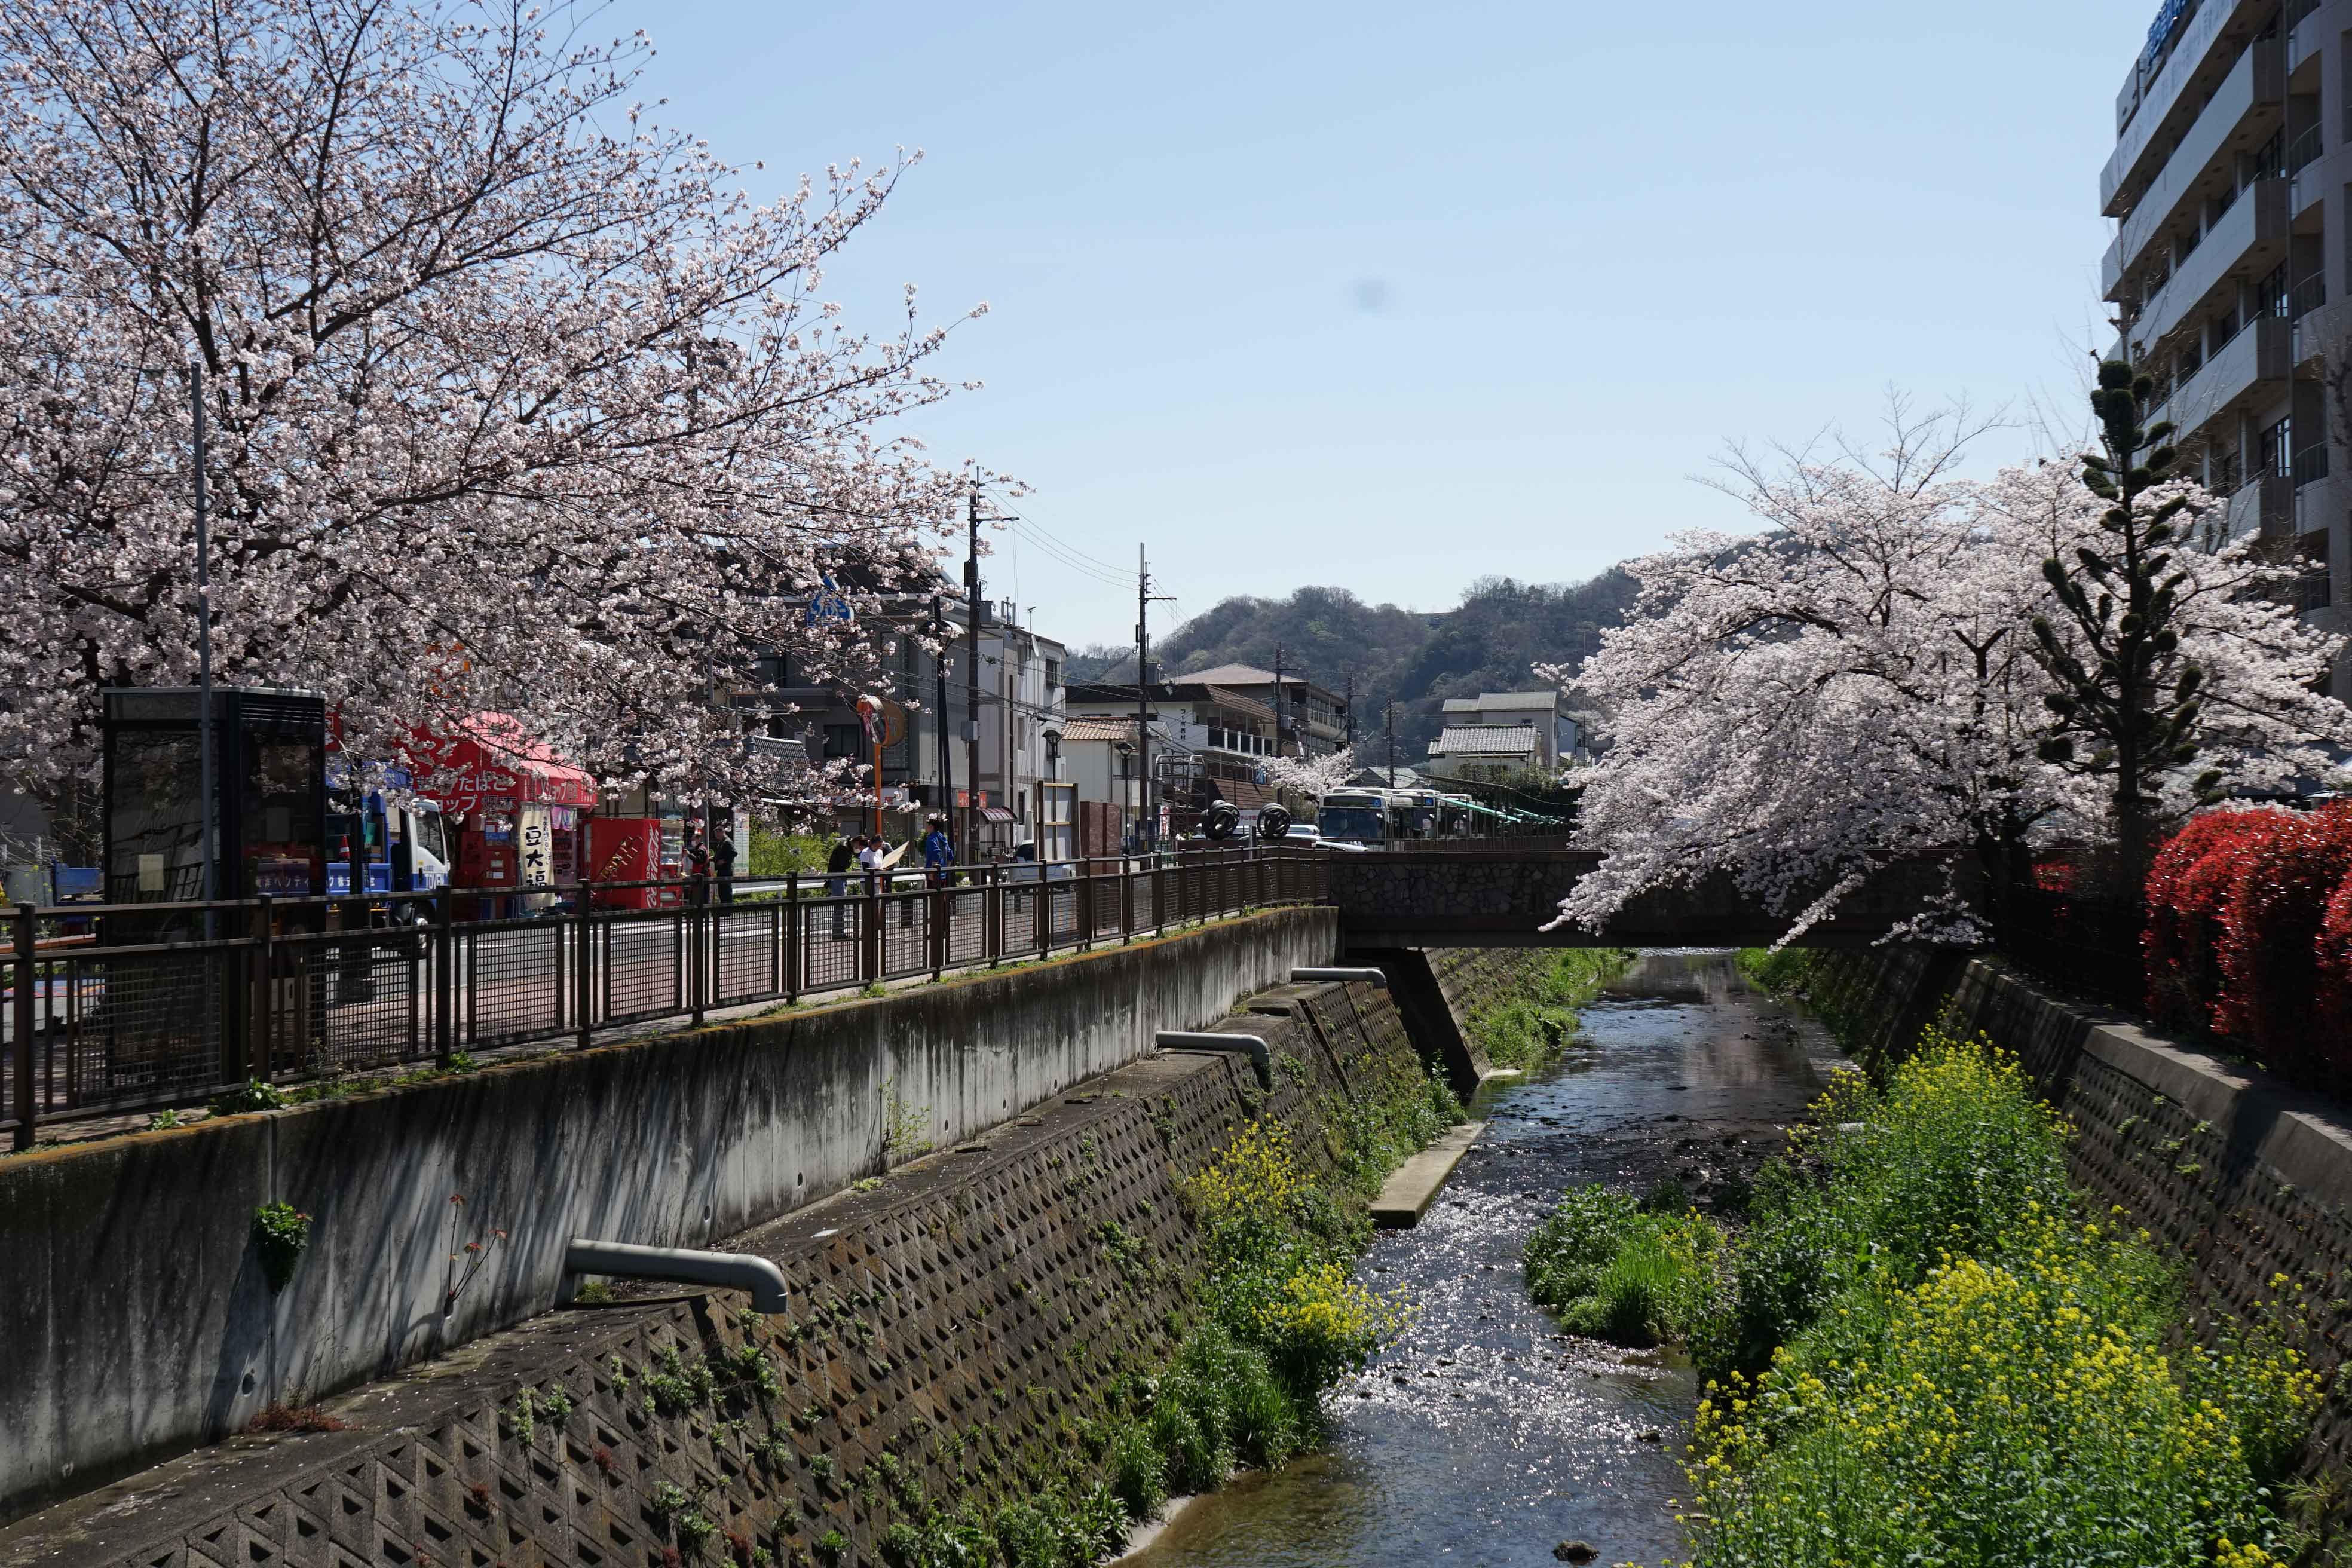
1305,833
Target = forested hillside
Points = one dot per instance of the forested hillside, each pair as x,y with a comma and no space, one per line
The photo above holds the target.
1490,642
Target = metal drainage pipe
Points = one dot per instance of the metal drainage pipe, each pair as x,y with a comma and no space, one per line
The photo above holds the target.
1341,977
1250,1046
729,1270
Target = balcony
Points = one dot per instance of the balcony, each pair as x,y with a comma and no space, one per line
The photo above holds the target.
2244,109
2265,505
2249,239
2260,354
2311,464
2163,103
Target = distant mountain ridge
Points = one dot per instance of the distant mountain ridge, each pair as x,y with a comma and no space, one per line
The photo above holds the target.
1490,642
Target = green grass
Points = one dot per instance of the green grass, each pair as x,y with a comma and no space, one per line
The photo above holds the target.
1927,1352
1537,1018
1632,1272
1777,974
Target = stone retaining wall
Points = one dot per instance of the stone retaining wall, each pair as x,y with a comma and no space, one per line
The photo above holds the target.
951,1333
2248,1178
134,1319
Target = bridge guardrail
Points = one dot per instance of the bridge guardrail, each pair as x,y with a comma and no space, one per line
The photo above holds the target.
173,1003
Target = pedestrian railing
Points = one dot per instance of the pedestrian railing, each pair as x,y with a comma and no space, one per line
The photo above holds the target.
117,1009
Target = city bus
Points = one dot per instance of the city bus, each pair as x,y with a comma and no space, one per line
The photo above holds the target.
1355,817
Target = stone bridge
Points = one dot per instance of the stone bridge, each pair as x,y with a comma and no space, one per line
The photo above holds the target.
1503,896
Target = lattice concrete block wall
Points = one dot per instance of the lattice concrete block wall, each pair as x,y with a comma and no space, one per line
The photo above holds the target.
947,1335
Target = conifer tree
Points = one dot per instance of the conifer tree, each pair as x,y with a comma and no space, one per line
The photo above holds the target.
2125,703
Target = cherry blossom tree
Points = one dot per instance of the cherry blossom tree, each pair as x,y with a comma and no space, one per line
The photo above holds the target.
1312,777
1857,685
516,399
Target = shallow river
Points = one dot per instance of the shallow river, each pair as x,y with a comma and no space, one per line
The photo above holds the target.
1485,1436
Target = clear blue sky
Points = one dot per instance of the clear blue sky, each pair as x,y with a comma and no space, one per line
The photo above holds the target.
1391,297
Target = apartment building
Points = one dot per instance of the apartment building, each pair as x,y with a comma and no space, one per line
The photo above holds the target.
1311,718
2230,187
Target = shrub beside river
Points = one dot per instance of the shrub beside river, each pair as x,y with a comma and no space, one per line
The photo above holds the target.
1922,1346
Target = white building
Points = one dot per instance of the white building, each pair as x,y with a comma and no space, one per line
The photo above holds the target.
1023,710
1506,732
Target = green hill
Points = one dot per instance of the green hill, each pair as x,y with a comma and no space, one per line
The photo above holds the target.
1490,642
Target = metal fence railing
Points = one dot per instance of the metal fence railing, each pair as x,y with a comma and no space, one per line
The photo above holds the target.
117,1009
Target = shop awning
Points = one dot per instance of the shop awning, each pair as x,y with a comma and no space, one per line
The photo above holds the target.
488,759
994,813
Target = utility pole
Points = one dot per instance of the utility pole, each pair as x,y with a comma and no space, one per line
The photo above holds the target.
1144,599
970,678
206,809
939,663
1352,713
1144,837
1281,700
1389,714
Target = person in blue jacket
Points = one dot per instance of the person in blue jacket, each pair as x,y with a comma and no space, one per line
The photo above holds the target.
938,852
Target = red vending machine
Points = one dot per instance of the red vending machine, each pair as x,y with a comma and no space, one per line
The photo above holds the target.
629,849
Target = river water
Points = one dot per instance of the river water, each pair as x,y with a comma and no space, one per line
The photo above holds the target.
1486,1436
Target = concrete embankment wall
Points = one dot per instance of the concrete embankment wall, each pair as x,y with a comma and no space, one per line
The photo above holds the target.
2248,1178
134,1318
950,1338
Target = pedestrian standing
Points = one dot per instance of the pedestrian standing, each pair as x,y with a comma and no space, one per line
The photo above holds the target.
846,854
723,858
938,854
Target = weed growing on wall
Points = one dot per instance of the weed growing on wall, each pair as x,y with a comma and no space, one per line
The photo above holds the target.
1370,1137
906,1129
1925,1351
1276,1320
281,1234
1530,1023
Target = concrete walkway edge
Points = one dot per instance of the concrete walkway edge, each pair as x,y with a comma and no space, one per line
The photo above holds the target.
1414,1186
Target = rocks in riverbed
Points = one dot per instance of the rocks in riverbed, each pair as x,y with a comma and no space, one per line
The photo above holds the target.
1575,1551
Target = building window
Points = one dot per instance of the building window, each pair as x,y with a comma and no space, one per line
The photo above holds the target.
1053,674
2270,159
2277,454
2271,293
843,741
2225,476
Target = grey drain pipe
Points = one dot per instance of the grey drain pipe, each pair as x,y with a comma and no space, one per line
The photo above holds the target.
1341,977
730,1271
1250,1046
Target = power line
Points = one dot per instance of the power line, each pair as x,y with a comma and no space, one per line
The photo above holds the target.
1071,560
1095,561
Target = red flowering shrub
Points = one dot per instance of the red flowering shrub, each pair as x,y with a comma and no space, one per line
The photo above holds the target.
2334,956
2188,889
2279,895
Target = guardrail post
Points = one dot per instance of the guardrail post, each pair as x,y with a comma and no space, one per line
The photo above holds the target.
583,960
795,924
21,1024
444,980
779,927
698,942
870,954
992,914
262,1019
937,912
